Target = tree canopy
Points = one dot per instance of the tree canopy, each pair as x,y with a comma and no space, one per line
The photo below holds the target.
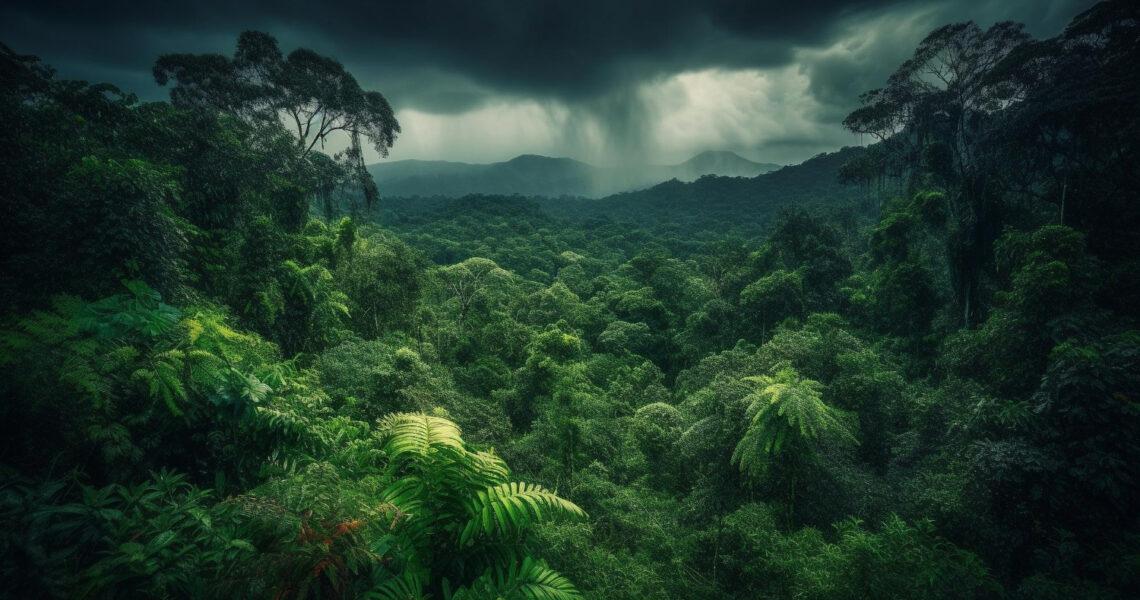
222,375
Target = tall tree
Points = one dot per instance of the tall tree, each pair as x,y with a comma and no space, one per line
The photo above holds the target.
1072,140
313,94
788,422
939,103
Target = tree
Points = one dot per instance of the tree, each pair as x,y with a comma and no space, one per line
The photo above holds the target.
468,282
655,429
119,222
1071,137
1051,282
311,92
943,97
307,313
382,278
813,249
773,298
787,422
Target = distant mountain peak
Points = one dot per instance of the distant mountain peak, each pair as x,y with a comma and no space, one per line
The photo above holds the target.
539,158
718,154
723,162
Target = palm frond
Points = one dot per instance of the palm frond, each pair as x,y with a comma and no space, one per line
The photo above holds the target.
418,435
486,469
408,586
527,580
506,509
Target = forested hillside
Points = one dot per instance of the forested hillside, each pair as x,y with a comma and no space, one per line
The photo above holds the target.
233,367
543,176
745,206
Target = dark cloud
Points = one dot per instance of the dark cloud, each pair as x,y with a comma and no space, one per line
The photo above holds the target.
867,47
562,49
457,56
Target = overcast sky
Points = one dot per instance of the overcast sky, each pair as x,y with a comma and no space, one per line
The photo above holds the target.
603,81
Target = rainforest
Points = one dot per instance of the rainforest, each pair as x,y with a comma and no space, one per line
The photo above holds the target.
533,301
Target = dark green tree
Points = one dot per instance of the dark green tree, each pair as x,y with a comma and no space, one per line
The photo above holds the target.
311,92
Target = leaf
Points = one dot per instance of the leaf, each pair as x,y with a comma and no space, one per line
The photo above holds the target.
242,545
408,586
529,579
418,435
506,509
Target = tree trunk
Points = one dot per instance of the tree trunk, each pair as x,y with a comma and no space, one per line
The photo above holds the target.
792,502
1064,192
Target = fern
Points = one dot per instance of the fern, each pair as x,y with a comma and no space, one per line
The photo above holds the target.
405,494
527,580
207,370
408,586
141,313
785,409
506,509
486,469
164,380
251,388
411,435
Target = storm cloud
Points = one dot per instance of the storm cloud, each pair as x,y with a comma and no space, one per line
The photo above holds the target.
601,81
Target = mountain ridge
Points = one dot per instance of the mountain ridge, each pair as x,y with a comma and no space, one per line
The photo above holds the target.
539,175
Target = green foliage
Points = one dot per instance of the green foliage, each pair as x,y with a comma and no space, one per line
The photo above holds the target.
378,377
527,580
786,416
451,492
119,223
772,298
502,510
897,561
419,436
703,390
381,278
1051,280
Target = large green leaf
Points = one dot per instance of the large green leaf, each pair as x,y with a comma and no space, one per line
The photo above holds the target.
530,579
506,509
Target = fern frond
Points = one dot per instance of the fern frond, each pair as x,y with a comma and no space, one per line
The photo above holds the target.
785,407
486,469
251,388
284,421
408,586
528,580
164,380
77,372
506,509
406,494
418,435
